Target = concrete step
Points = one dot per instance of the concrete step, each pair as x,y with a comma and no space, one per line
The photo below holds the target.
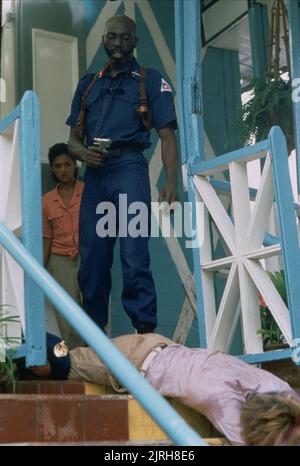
67,411
51,387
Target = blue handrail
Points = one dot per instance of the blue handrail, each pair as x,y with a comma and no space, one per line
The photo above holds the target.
177,429
28,117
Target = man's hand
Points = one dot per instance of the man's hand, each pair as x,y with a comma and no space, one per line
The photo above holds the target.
93,158
169,193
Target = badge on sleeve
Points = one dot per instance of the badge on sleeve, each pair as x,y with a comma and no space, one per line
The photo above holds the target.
165,87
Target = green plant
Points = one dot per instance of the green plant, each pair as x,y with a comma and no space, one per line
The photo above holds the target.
270,331
270,105
7,367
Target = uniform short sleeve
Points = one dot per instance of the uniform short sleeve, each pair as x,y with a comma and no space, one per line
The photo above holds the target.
47,227
161,102
76,102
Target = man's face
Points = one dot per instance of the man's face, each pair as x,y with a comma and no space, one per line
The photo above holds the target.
119,42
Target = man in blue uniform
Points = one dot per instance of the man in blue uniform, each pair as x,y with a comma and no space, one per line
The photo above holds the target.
116,104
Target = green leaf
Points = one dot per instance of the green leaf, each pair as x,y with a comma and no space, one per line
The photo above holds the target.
7,367
270,105
270,330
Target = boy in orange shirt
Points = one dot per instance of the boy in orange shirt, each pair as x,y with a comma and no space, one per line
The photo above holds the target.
60,230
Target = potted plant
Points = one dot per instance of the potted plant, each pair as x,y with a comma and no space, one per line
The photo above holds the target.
7,366
270,104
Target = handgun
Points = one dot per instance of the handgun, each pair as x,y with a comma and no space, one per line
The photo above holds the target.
101,145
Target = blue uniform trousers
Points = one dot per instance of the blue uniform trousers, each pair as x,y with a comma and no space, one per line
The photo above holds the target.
125,174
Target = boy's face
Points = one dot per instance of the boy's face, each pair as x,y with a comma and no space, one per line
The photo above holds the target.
64,168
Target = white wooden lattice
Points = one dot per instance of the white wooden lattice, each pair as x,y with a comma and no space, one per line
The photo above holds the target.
242,231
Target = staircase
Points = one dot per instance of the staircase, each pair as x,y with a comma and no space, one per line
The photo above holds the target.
77,413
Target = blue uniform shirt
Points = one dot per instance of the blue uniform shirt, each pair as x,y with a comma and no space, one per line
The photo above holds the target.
112,106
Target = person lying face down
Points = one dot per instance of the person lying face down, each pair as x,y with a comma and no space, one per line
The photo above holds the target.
250,406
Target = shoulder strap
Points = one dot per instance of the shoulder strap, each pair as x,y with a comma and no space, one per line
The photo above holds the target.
143,109
82,114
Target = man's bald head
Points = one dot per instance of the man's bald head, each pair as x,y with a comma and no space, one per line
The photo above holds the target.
122,19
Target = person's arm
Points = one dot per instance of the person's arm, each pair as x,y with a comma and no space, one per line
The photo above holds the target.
169,155
77,148
46,250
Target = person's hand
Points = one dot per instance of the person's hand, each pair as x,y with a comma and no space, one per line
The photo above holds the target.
93,158
169,192
42,372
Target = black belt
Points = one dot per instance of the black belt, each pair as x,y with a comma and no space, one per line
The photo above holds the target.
116,152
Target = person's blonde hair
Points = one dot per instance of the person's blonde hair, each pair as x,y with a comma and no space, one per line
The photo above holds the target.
270,419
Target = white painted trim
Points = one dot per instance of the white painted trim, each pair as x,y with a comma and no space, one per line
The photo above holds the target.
264,252
240,201
208,286
250,311
219,339
261,211
216,210
217,264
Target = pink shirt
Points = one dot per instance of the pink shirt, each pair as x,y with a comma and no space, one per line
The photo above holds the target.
61,223
213,383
